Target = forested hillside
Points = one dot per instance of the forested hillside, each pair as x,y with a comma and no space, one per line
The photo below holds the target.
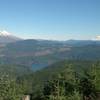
43,52
50,70
65,80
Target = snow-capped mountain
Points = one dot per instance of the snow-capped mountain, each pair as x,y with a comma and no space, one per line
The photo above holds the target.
6,37
4,33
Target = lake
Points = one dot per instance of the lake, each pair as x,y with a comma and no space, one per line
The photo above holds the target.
36,67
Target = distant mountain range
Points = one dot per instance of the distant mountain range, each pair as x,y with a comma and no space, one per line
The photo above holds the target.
41,53
82,42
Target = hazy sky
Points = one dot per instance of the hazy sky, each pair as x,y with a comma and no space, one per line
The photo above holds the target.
51,19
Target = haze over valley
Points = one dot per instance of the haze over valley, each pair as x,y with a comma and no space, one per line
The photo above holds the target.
37,53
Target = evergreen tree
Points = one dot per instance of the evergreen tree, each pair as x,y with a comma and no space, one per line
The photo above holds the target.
9,90
87,87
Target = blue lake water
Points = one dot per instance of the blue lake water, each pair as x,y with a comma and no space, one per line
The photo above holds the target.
36,67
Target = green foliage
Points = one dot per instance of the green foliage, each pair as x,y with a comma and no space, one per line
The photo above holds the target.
69,84
95,71
87,88
64,80
63,87
9,90
75,96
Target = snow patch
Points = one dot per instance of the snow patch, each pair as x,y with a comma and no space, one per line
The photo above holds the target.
4,33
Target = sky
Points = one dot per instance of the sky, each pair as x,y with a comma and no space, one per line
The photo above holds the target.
51,19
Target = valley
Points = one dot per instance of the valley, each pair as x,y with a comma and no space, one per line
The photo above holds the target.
46,69
29,52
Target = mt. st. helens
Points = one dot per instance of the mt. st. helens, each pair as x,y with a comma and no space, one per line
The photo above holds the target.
6,37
